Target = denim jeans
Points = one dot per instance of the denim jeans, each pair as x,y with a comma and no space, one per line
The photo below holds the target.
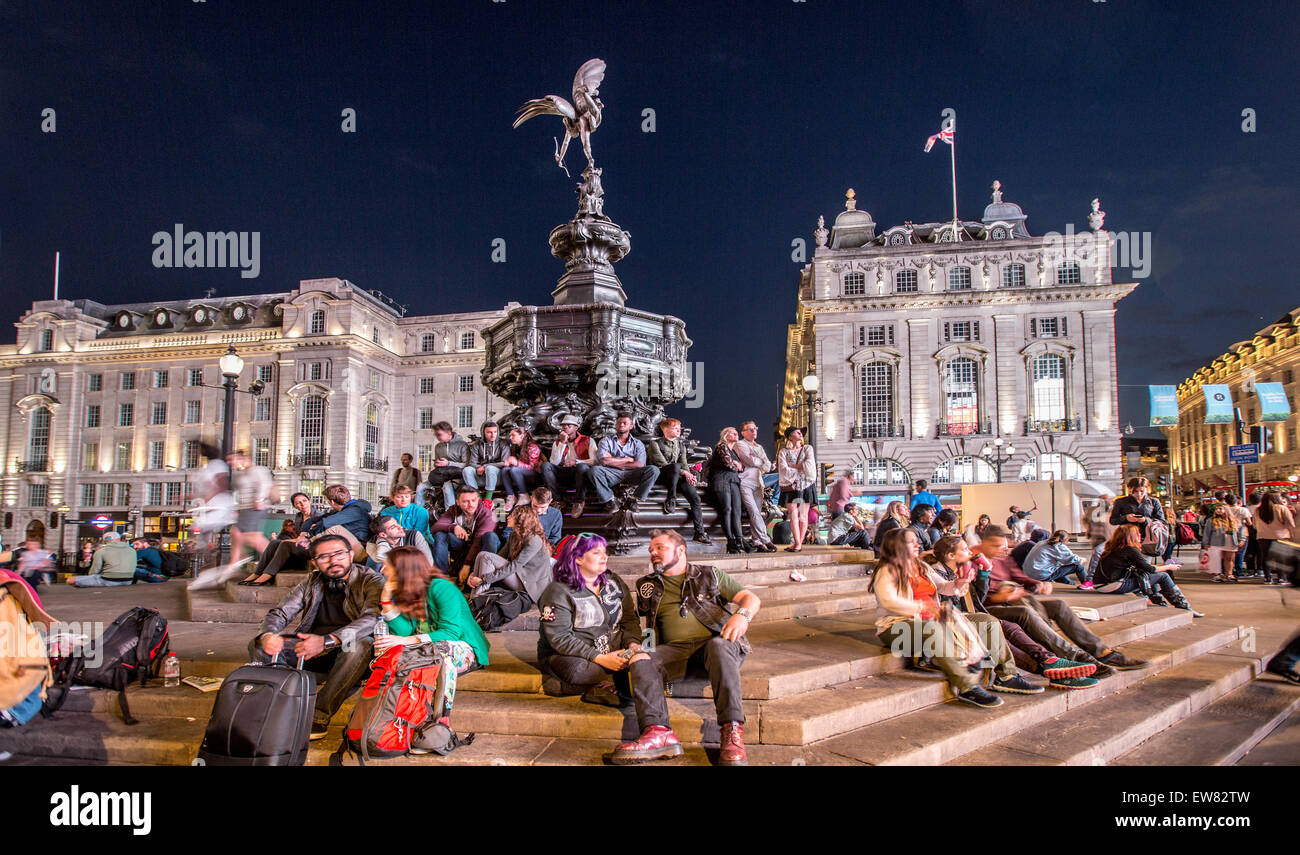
144,575
447,546
518,479
1066,570
491,474
603,478
575,475
98,581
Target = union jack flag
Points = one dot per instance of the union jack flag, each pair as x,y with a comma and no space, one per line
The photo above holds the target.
946,136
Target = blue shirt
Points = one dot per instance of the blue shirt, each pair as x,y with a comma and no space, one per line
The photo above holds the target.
410,517
1045,558
552,528
610,447
925,497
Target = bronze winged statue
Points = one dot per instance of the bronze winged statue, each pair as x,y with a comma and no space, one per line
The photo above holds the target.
580,118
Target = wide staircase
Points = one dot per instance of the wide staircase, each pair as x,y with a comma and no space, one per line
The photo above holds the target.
818,689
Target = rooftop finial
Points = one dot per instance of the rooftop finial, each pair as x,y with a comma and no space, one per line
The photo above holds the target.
850,201
1096,217
997,192
820,233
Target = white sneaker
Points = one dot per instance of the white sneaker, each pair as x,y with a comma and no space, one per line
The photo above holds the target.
796,576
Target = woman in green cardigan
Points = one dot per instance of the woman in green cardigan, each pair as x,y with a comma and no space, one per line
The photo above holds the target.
423,606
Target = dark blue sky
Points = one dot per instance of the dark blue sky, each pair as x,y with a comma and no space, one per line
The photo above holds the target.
226,115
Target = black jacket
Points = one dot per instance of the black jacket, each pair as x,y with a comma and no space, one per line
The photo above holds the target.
1125,505
361,605
700,596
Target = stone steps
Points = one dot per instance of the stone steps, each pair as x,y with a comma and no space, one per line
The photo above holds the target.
100,738
1223,732
1279,748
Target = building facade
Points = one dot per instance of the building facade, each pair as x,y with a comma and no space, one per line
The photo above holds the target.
932,341
107,404
1199,451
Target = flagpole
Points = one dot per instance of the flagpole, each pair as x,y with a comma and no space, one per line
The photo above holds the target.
953,153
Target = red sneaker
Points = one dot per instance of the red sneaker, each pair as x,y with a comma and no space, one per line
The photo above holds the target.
732,752
656,743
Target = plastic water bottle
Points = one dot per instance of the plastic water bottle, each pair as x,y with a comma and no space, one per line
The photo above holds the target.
171,671
381,628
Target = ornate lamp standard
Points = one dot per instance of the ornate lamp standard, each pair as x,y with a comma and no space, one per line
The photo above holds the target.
813,405
232,365
994,454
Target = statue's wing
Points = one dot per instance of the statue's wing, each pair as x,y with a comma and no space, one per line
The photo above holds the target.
590,76
551,105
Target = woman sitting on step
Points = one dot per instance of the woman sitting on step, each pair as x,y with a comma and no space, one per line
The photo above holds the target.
502,587
589,626
1123,569
912,622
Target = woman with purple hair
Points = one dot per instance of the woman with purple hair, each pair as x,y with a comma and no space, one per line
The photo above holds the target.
589,626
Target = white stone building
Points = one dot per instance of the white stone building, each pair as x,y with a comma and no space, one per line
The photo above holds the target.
104,412
933,341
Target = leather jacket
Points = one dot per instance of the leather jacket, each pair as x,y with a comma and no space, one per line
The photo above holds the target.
361,605
700,595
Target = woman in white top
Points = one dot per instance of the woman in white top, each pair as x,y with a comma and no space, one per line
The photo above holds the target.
798,471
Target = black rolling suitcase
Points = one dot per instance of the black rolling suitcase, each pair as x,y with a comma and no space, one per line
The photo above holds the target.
262,717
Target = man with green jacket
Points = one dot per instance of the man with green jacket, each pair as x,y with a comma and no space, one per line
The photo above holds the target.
113,565
668,452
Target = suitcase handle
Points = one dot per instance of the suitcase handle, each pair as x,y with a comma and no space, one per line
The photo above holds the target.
276,662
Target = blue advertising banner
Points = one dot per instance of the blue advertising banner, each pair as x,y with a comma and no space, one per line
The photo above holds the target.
1164,405
1218,405
1273,405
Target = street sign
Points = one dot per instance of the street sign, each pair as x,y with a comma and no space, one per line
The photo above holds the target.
1239,455
102,522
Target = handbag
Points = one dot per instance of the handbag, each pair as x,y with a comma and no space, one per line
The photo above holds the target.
1211,561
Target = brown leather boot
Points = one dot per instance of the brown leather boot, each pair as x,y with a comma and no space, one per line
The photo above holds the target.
655,743
732,752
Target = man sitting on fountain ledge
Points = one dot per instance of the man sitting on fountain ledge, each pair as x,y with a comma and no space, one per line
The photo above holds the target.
572,456
622,461
668,453
685,605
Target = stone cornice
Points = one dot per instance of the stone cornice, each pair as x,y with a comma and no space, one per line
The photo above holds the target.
949,299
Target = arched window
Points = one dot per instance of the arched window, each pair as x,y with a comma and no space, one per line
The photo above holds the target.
1047,392
958,278
1054,465
316,322
311,430
38,448
881,472
905,281
1013,276
1068,273
428,342
876,400
855,284
965,470
370,450
961,396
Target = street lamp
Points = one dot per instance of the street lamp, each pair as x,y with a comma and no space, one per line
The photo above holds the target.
994,454
813,405
231,367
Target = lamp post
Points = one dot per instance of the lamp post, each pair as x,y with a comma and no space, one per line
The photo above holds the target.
994,454
231,367
813,405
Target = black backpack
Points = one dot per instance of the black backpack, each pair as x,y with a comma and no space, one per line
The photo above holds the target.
173,563
133,647
262,717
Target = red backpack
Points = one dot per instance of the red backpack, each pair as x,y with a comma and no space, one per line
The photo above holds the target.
400,708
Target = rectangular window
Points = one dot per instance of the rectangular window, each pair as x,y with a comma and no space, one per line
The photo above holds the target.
262,410
125,415
315,371
959,279
190,454
465,383
315,489
424,457
266,373
37,495
95,383
262,451
196,377
1013,276
153,493
221,411
424,418
88,495
123,460
160,379
465,416
92,415
316,323
107,492
90,457
47,340
467,341
878,336
426,385
173,492
959,331
156,449
374,379
128,381
905,282
374,335
1047,328
428,342
193,412
158,415
876,401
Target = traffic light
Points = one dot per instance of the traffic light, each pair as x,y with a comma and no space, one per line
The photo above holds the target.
828,473
1167,485
1262,437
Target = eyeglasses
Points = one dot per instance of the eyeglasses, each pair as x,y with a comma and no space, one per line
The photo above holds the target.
328,557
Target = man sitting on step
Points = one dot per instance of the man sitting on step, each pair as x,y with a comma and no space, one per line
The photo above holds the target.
336,607
388,535
687,608
467,527
849,529
668,452
622,461
1010,597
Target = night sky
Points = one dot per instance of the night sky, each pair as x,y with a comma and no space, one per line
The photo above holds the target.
225,115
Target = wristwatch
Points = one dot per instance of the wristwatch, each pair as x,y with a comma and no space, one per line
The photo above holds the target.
331,642
744,612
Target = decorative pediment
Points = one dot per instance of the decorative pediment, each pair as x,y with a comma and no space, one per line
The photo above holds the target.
201,314
1042,346
308,388
864,355
960,349
26,406
161,318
